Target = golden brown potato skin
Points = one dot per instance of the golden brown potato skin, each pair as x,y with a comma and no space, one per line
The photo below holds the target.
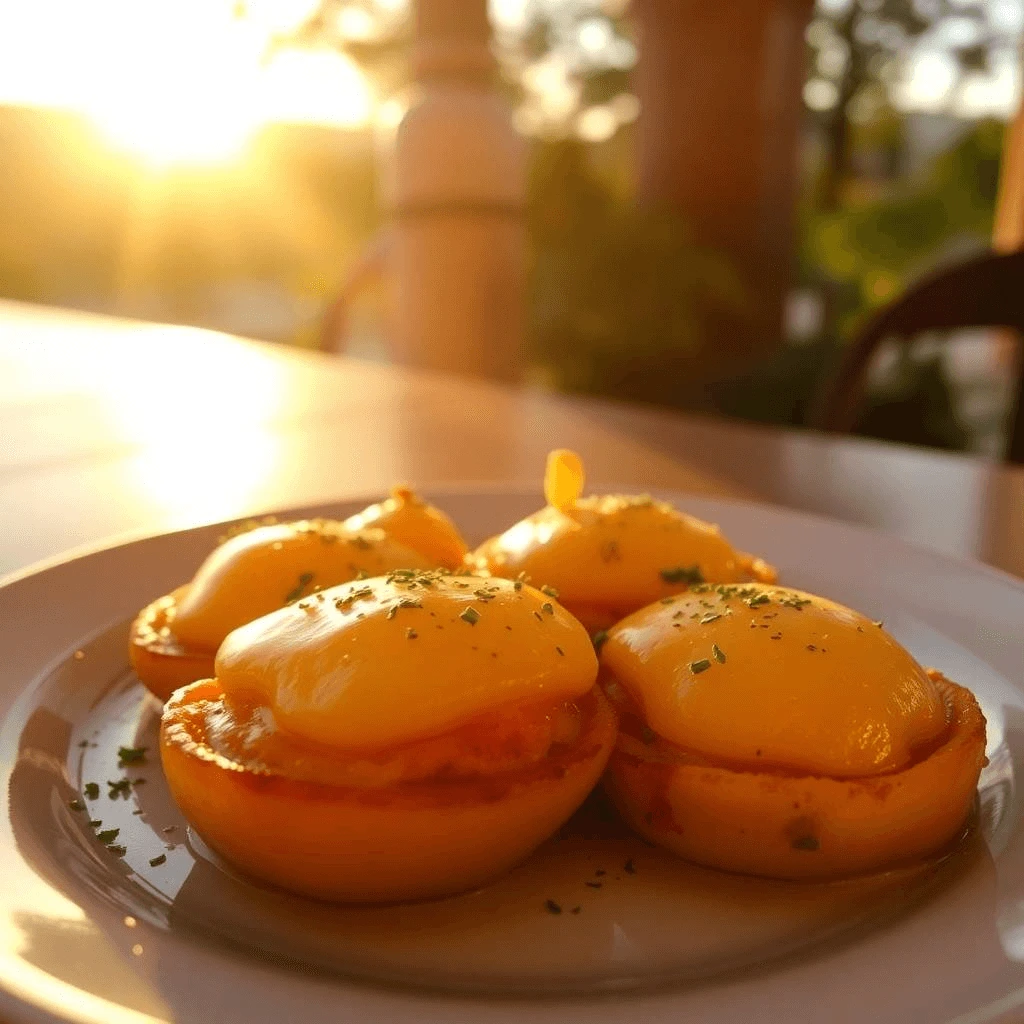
163,664
371,845
797,826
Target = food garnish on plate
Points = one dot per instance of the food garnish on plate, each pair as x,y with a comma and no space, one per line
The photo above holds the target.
609,555
392,738
772,732
256,571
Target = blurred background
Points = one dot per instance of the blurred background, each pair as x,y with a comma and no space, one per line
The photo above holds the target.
224,164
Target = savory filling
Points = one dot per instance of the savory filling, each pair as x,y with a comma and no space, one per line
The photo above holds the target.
243,734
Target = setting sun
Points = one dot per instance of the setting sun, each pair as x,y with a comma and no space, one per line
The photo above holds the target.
181,84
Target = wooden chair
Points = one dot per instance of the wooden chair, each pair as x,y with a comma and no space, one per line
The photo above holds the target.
987,291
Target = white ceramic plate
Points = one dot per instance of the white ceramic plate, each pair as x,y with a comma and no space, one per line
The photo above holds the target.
90,937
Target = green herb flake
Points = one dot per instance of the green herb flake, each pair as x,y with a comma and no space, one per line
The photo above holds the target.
599,639
470,615
549,591
682,574
552,907
76,805
718,653
696,667
411,634
107,836
118,851
711,617
757,599
91,790
548,607
155,862
304,581
560,651
517,584
95,823
130,755
120,788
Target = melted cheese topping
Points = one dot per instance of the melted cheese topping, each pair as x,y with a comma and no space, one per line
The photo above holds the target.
770,677
563,478
385,661
616,550
412,522
257,572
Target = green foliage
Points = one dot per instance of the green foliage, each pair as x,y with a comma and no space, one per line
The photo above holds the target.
618,290
897,236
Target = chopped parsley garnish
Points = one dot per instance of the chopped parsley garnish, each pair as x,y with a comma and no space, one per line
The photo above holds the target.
118,851
304,581
517,584
718,653
548,607
120,788
710,617
552,907
470,615
696,667
107,836
155,862
91,790
758,599
411,634
76,805
130,755
682,574
550,591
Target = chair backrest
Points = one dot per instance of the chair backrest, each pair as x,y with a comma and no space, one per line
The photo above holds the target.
987,291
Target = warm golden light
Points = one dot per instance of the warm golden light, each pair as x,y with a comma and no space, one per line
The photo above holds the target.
177,84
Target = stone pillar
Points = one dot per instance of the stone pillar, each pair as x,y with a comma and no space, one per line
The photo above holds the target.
459,239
